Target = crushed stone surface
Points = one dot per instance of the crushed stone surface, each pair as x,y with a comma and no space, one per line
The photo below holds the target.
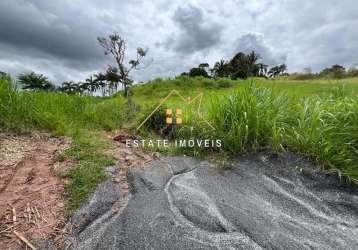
264,201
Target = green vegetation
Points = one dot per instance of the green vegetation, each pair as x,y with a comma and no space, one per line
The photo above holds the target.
322,128
87,151
71,115
315,118
22,111
241,66
34,81
334,72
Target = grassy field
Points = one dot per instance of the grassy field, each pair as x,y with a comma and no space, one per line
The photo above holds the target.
317,119
153,91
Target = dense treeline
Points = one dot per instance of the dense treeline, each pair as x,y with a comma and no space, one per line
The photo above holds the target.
241,66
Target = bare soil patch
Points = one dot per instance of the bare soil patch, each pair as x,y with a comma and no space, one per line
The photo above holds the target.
127,157
31,201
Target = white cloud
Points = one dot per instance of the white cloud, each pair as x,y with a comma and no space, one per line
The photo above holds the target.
59,38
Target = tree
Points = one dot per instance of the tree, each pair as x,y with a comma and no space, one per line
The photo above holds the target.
244,66
240,66
338,71
203,65
113,78
278,70
69,87
198,72
92,85
33,81
100,79
335,71
283,69
115,46
274,71
220,69
262,70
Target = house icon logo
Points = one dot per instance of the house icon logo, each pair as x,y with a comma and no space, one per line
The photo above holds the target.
177,119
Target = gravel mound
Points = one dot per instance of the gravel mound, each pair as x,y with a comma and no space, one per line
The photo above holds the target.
264,201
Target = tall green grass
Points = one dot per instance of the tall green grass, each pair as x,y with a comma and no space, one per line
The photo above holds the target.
59,112
72,115
247,117
324,128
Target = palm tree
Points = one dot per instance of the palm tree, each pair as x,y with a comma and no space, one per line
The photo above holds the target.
92,85
67,87
274,71
35,81
283,69
239,66
82,87
261,69
100,78
113,78
243,66
220,69
252,58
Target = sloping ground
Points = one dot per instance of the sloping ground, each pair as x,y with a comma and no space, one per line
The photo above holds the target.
264,202
31,202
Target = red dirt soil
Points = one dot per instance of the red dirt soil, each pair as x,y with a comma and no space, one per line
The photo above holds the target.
31,201
127,157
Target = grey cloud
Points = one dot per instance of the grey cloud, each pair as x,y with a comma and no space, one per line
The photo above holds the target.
332,44
196,32
26,25
58,38
253,42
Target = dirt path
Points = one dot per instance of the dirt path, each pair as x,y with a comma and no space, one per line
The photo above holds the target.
31,195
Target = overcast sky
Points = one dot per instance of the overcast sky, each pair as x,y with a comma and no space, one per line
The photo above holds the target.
58,38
